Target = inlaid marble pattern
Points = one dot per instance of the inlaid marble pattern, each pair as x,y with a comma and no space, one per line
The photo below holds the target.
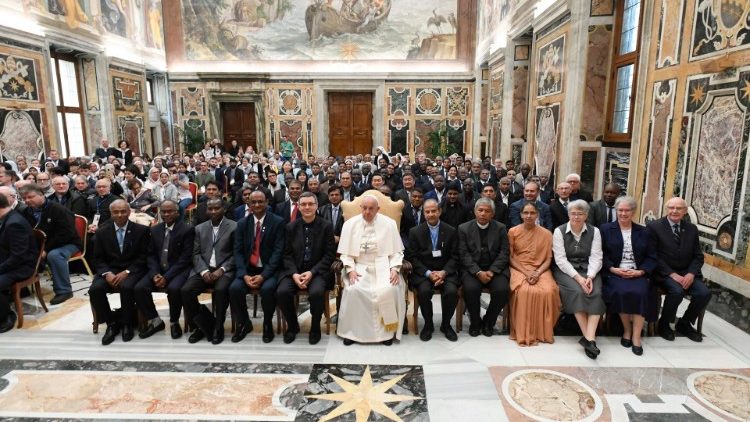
290,102
423,129
128,94
660,134
594,89
130,129
622,394
670,32
457,100
520,88
720,26
91,86
399,100
192,101
602,7
398,130
521,52
18,79
19,132
617,167
547,123
429,101
550,67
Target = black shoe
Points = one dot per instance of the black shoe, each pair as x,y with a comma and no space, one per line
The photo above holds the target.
387,342
688,331
637,350
152,329
450,334
290,335
474,330
112,331
348,342
175,330
593,346
267,332
426,333
9,322
488,330
58,299
196,336
405,329
241,331
314,337
127,333
588,348
666,332
626,342
218,335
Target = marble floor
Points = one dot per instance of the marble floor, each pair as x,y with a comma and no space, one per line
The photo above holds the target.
55,368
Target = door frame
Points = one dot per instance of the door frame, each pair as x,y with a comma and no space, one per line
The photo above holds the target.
322,88
220,122
216,128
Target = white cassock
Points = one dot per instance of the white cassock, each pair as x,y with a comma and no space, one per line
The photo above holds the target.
372,310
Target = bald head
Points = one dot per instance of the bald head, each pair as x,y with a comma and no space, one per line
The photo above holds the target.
8,193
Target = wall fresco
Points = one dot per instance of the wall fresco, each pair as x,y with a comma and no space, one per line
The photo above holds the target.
550,65
545,153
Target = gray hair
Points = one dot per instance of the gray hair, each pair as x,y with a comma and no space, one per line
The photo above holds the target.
364,197
484,201
430,201
574,176
626,200
579,205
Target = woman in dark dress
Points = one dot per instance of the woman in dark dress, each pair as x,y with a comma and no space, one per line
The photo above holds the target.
629,259
123,153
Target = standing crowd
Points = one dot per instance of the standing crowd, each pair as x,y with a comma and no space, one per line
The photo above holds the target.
232,222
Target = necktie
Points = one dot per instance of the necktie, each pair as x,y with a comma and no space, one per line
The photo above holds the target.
434,238
255,256
565,204
416,217
294,212
676,233
609,215
120,238
335,216
165,250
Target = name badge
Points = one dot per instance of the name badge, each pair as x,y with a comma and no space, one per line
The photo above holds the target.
96,219
437,254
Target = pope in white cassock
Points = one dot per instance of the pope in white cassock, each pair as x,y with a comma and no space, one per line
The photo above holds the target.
372,305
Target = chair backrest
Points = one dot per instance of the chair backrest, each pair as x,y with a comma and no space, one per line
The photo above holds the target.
388,207
194,191
81,228
41,239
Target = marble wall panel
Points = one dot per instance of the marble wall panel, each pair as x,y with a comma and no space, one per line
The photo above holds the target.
484,101
292,130
517,154
672,14
399,100
20,133
521,52
130,129
660,134
520,101
18,78
90,84
718,27
617,167
95,129
550,67
429,101
128,94
398,131
602,7
497,87
192,101
595,89
422,133
547,126
290,102
457,100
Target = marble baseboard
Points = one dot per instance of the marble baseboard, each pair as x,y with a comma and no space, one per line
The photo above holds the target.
729,305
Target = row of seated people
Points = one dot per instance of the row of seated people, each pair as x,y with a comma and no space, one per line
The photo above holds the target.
232,259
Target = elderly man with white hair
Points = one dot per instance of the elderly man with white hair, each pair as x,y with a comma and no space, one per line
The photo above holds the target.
372,305
576,192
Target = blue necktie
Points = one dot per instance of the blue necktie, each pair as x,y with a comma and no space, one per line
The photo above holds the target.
121,238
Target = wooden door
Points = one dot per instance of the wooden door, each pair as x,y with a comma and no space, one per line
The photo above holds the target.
239,125
349,123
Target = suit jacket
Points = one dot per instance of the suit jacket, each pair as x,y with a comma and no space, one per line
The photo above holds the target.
407,221
558,213
326,212
455,215
502,213
353,193
419,251
99,205
73,201
223,179
200,215
284,210
401,194
433,194
18,247
279,197
612,245
470,244
125,157
685,257
107,255
179,255
57,223
271,244
203,246
582,194
598,213
323,248
544,214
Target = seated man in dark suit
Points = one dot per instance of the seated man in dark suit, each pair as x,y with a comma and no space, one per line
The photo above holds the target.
432,253
412,214
67,196
62,238
18,255
289,209
531,194
332,211
453,211
119,261
558,209
680,259
213,268
576,190
257,253
501,211
603,210
98,206
200,215
170,255
309,250
484,252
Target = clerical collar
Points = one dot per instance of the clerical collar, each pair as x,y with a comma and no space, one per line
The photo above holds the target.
483,226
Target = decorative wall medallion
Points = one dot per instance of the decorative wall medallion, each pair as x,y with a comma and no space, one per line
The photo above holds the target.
428,101
720,25
457,100
127,94
545,395
725,241
290,102
550,65
723,392
19,133
18,78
